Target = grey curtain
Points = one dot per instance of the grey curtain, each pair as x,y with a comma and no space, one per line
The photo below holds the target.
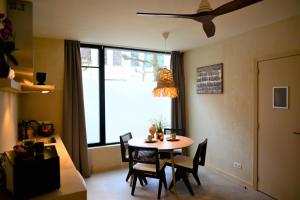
178,104
74,132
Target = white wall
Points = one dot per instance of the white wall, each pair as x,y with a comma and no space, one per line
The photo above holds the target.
228,119
105,158
3,6
8,112
8,120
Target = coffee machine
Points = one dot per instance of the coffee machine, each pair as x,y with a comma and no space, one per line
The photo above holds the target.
32,128
27,177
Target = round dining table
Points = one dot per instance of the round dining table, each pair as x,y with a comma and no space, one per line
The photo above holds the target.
167,145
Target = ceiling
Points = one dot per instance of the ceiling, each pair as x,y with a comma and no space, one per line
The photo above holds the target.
114,22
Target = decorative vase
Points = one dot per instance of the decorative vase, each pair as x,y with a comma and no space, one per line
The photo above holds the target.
152,130
160,135
11,74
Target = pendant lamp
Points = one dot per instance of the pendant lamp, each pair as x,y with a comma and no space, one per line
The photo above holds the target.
165,82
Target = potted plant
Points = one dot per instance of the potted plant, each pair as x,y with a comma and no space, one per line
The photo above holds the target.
159,131
159,125
7,46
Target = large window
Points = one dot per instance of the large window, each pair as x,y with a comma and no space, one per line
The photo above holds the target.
118,86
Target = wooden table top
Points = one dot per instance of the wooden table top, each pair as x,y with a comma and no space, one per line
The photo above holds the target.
182,142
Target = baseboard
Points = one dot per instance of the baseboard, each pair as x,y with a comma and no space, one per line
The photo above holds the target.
106,169
236,179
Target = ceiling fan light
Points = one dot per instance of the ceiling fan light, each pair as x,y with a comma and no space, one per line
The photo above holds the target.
204,6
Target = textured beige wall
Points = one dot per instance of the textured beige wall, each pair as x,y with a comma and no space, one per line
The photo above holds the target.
8,120
3,6
49,58
105,158
228,119
8,112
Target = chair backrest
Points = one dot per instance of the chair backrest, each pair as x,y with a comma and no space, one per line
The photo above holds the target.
142,155
124,146
199,158
178,131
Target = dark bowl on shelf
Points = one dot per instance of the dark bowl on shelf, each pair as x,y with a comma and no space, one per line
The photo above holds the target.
41,78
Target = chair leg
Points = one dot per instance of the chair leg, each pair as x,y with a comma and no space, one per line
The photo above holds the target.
164,179
177,177
196,178
141,180
145,180
171,185
159,188
128,175
134,184
187,182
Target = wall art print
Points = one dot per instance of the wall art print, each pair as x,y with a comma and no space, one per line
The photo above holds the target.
210,79
281,97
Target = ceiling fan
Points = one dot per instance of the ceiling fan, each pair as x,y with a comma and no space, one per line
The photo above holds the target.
205,14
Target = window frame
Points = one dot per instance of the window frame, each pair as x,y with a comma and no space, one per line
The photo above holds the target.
101,68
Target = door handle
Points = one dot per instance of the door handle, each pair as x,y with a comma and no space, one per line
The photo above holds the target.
297,133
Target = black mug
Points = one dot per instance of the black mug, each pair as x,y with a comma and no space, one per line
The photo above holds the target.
41,78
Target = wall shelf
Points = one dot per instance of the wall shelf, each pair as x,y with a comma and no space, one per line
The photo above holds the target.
37,88
8,85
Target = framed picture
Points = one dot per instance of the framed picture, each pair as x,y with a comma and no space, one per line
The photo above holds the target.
210,79
281,97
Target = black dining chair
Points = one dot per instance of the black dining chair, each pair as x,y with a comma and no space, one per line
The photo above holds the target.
178,131
124,155
167,133
151,167
184,165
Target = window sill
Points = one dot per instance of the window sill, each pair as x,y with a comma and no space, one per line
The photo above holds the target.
104,146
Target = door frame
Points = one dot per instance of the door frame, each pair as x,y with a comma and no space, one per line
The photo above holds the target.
256,99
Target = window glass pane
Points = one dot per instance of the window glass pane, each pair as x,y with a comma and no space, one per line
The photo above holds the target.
117,59
129,103
160,60
89,57
149,59
135,57
90,79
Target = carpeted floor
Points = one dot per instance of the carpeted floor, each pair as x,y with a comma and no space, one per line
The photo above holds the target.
112,185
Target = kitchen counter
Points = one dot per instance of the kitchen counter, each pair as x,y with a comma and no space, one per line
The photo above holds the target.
73,186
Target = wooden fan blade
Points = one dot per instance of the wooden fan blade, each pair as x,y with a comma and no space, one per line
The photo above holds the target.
233,5
166,15
209,28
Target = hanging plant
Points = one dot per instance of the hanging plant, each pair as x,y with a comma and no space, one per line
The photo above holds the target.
7,46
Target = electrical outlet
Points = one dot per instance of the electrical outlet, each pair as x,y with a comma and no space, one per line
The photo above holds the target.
237,165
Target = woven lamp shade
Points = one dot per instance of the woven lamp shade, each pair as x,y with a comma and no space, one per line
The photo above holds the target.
165,84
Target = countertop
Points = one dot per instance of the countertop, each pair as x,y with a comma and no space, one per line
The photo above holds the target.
73,186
